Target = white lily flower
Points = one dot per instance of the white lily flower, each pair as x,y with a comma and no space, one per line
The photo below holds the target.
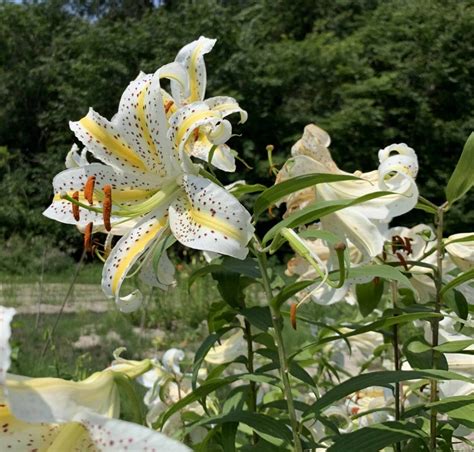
321,293
461,253
171,360
228,349
208,134
75,158
148,182
54,414
365,224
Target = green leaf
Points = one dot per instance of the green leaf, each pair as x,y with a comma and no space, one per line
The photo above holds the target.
375,326
419,354
376,437
460,279
457,302
258,316
203,350
240,190
378,379
455,346
459,408
462,178
261,423
247,267
379,271
369,295
316,211
271,195
229,430
289,291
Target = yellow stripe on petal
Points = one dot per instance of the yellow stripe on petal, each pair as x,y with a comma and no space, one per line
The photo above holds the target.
194,93
188,123
118,195
144,125
112,143
217,224
135,249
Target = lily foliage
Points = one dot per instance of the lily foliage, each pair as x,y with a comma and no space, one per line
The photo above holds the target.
279,369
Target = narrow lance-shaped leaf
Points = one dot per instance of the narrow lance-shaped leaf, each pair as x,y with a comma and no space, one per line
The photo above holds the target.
318,210
273,194
462,178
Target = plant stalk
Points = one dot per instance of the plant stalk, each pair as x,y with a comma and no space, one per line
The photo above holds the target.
435,323
283,361
396,357
250,368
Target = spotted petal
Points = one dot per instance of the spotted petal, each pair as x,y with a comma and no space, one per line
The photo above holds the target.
127,189
195,115
206,217
141,117
191,57
226,106
104,139
126,253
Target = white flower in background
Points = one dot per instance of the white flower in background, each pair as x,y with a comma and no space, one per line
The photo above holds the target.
319,292
146,186
364,225
75,159
228,350
373,398
171,360
55,414
461,253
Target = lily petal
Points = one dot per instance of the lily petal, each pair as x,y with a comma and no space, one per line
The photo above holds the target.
127,189
191,57
222,158
209,218
162,276
226,106
75,159
110,435
104,139
52,400
141,117
127,251
6,316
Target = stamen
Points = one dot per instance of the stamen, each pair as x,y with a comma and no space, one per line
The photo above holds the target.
196,134
88,238
408,247
89,190
168,105
75,207
107,206
397,242
402,260
293,308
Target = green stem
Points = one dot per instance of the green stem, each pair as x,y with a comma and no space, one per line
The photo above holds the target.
283,361
435,323
396,356
250,368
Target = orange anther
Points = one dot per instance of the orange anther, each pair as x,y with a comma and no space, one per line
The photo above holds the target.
168,105
107,206
196,134
293,308
89,190
75,208
88,238
402,260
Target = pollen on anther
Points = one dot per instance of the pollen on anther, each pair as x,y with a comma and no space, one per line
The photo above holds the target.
107,206
89,190
75,207
88,238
